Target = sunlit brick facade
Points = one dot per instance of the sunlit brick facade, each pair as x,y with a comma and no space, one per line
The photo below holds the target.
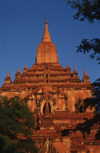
55,95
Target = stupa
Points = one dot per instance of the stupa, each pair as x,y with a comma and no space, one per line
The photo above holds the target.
56,96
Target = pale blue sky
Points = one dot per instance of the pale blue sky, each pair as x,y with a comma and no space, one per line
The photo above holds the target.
22,27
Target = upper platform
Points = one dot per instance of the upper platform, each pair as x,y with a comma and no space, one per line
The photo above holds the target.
46,71
46,51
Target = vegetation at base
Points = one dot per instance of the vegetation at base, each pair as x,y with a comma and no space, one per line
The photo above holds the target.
16,126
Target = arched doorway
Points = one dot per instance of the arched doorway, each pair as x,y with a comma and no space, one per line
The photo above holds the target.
47,108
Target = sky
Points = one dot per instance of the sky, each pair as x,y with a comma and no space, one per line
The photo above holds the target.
22,27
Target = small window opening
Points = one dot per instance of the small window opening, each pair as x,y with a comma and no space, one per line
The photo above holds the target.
47,78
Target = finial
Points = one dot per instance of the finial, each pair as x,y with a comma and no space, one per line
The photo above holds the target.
46,36
8,75
67,65
46,22
18,70
25,66
74,71
7,80
85,76
85,72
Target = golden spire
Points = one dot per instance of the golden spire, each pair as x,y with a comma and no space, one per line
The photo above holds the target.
74,71
8,75
68,68
46,51
85,74
18,72
85,77
46,36
7,80
67,65
25,68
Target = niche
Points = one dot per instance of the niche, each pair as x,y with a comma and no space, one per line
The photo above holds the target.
47,108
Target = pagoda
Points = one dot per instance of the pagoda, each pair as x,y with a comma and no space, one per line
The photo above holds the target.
56,96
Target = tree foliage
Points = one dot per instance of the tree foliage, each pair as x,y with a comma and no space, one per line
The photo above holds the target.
87,9
97,94
90,10
16,126
92,46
